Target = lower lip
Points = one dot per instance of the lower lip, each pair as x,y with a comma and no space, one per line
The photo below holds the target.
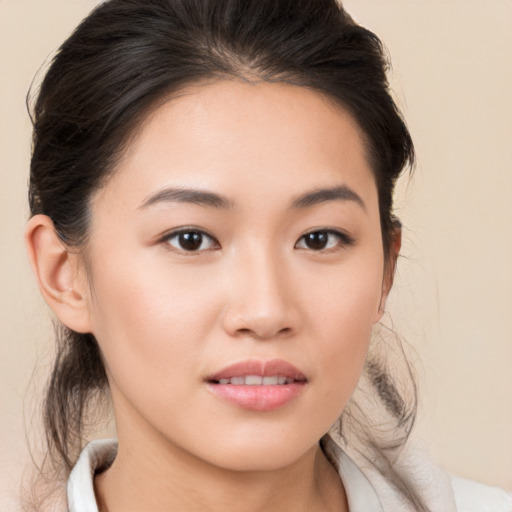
258,398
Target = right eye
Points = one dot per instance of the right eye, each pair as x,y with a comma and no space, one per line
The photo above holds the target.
190,240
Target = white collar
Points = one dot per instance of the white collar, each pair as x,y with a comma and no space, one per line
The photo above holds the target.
80,490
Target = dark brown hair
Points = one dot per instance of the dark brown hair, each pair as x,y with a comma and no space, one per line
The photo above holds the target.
129,55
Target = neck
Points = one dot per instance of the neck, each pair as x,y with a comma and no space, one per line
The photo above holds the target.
157,476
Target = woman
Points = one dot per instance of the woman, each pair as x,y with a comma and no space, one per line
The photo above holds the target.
212,223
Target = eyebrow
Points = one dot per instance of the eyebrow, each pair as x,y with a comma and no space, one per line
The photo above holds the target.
188,195
213,200
322,195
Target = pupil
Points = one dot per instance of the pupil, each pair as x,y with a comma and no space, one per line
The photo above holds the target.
190,241
317,240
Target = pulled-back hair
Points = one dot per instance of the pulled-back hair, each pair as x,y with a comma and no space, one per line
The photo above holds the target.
129,56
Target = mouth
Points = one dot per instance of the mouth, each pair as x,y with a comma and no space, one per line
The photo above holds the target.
257,380
258,385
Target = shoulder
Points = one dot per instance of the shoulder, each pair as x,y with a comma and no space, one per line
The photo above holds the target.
473,496
437,490
465,495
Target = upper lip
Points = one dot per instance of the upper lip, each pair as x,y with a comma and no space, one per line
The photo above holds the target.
257,367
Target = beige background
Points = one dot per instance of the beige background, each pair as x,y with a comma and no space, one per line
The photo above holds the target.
452,74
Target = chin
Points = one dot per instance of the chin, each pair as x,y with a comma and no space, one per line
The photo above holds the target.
260,453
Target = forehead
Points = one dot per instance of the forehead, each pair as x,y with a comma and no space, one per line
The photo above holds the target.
257,139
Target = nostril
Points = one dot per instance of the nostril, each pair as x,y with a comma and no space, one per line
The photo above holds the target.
261,323
262,335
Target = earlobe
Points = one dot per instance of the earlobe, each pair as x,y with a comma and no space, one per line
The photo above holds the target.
57,273
389,269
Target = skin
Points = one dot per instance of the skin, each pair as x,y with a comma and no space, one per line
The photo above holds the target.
165,319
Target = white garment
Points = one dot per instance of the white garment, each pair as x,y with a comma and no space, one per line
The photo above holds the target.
367,490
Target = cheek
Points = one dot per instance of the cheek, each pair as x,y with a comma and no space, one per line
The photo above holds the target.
149,321
342,314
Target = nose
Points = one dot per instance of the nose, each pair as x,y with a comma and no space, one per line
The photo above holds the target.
261,301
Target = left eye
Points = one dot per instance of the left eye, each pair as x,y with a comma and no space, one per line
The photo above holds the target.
191,241
323,239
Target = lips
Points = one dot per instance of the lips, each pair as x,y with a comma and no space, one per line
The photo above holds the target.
256,372
258,385
257,380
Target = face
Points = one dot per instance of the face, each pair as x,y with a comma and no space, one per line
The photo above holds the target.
236,270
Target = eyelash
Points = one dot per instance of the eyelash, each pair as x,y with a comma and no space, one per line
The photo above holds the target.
345,240
166,239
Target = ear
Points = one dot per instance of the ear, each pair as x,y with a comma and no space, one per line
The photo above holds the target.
389,268
58,273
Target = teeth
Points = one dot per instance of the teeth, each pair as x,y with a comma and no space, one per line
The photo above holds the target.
257,380
253,380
